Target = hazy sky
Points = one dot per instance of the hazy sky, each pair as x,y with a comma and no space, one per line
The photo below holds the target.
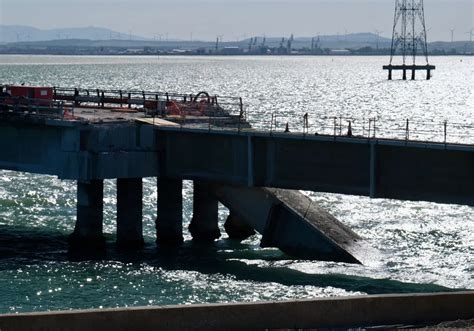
235,18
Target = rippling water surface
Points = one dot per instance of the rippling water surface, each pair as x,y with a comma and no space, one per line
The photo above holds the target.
420,246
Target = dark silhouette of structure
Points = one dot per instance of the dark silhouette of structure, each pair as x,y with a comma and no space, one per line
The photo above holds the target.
409,38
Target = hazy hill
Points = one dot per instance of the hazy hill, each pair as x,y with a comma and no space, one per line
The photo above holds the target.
25,37
21,33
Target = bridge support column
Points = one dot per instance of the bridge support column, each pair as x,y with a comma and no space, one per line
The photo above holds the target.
413,74
428,74
389,74
373,171
404,74
129,212
204,224
90,203
169,222
237,229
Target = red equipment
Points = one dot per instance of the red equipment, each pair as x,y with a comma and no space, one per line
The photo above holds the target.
30,92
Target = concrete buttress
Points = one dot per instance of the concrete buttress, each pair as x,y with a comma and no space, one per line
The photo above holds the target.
289,220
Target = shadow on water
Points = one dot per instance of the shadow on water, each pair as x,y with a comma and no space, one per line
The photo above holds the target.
209,260
21,245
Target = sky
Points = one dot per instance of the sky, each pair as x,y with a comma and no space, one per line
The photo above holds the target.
235,19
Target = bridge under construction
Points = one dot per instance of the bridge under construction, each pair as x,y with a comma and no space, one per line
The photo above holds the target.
256,174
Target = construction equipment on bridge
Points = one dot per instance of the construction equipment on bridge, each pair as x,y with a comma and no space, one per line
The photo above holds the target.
408,38
57,102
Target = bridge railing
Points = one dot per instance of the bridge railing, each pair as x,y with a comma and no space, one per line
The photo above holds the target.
36,107
153,102
443,131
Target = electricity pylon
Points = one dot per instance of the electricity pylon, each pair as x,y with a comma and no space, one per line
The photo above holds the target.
409,37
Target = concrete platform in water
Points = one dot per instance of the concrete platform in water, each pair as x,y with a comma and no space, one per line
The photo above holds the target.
409,67
90,144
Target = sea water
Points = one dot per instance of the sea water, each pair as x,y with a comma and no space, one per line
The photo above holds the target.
420,246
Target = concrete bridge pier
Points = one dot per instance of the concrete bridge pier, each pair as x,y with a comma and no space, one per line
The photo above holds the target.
236,228
204,224
129,212
169,221
90,203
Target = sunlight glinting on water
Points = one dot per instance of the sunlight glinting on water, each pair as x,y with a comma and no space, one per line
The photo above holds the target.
426,245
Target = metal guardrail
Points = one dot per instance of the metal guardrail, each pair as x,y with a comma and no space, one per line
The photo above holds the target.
372,128
65,99
151,103
37,107
150,100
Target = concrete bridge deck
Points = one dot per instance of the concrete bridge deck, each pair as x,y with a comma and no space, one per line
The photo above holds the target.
379,168
226,165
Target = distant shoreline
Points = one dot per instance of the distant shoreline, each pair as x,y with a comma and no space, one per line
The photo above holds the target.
220,55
